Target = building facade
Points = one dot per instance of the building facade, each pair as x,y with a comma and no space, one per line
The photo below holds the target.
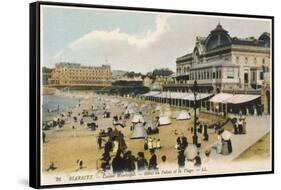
221,63
73,74
147,82
161,81
265,93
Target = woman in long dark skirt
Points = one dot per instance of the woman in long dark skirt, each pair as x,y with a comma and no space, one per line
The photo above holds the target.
129,161
117,163
141,162
181,159
226,147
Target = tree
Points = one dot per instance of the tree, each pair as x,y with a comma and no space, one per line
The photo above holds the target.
160,72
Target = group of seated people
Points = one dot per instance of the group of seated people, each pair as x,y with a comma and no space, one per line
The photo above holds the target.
151,143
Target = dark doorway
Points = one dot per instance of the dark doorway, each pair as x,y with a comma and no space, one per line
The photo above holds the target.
268,101
246,78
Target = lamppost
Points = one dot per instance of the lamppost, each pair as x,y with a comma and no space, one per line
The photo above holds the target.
195,92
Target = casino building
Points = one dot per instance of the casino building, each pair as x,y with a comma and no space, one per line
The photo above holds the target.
221,63
73,74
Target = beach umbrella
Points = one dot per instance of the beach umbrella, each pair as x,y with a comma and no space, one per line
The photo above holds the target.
226,135
190,152
175,114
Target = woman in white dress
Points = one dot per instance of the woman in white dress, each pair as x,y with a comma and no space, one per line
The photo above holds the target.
154,143
115,147
149,143
219,144
158,144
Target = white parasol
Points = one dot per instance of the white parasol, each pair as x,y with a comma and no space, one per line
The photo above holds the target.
190,152
226,135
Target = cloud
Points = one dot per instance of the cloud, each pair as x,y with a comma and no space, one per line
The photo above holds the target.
171,37
120,37
138,52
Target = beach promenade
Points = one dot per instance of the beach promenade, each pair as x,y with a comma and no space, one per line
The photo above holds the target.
257,128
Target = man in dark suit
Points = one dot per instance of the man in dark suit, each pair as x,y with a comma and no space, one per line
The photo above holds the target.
205,132
153,160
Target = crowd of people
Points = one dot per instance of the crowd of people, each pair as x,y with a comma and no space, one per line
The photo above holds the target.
118,158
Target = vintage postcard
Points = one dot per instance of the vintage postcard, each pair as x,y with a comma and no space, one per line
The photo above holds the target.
146,94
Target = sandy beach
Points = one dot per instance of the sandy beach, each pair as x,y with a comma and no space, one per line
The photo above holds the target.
66,145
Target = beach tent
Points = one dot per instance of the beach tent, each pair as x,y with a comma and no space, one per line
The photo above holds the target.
139,131
130,110
138,119
158,108
164,120
144,108
150,125
166,111
175,114
125,103
115,101
132,105
183,115
94,108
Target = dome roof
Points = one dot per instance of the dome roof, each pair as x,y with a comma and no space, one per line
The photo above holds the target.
265,38
218,37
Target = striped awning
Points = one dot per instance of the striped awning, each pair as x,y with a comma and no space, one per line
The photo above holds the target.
233,98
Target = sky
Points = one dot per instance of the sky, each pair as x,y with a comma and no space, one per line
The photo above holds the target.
130,40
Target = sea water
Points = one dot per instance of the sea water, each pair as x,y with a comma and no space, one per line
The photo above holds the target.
53,102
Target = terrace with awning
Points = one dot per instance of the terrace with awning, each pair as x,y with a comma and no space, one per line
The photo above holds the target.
233,98
222,102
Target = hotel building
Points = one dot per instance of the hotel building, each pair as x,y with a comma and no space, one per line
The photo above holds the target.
73,74
221,63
